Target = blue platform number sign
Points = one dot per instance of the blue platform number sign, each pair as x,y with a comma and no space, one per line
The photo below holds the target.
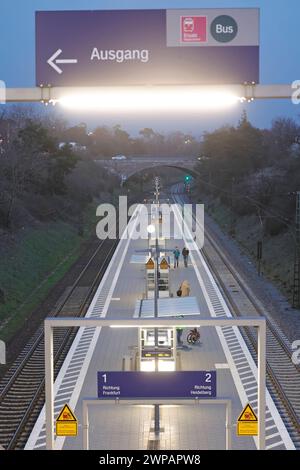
182,384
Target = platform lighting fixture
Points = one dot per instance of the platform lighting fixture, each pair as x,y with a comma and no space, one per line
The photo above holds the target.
151,228
163,366
150,326
149,99
166,366
147,366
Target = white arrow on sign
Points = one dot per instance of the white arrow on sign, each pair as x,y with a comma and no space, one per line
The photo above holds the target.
53,61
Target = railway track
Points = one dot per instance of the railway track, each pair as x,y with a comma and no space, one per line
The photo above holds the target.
283,377
22,388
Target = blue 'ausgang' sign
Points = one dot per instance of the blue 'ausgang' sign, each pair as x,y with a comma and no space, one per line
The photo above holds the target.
138,47
183,384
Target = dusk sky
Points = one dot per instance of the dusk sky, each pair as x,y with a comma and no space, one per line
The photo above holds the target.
279,52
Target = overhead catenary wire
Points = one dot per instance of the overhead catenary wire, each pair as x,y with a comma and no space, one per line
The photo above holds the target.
267,211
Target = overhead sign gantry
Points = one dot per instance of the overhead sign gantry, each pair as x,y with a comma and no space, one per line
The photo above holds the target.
202,56
51,323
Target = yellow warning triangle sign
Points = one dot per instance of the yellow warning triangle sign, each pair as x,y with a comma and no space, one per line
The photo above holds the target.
164,264
66,414
247,414
150,264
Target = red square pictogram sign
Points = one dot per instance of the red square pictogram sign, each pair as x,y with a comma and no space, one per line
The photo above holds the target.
193,28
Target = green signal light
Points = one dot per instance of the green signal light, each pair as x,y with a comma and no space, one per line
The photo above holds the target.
187,178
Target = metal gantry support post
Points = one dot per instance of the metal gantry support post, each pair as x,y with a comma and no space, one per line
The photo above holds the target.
261,385
85,423
49,395
156,293
228,425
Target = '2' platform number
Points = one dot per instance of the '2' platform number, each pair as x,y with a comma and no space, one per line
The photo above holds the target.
207,377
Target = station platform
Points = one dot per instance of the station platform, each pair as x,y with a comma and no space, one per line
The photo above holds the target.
132,426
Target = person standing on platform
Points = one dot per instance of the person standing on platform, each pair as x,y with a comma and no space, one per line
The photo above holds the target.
185,288
176,254
185,254
183,291
179,332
